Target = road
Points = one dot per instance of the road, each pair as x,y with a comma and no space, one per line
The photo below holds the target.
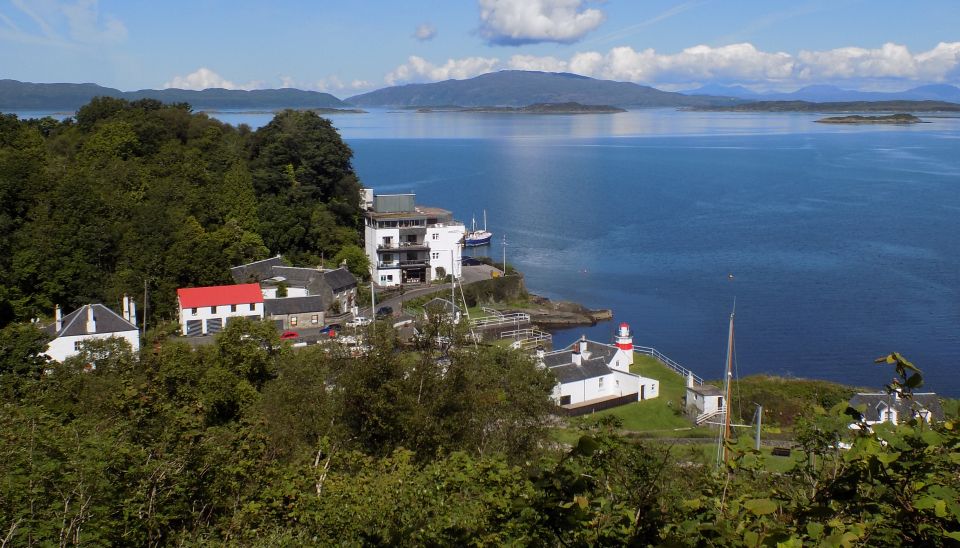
470,274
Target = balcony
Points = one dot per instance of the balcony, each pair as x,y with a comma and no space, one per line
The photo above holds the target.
406,246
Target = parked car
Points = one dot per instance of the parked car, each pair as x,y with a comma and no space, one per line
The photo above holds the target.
331,329
359,321
384,311
289,335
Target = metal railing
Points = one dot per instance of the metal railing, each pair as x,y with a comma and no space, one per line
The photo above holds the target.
704,417
662,358
401,245
514,318
527,339
492,311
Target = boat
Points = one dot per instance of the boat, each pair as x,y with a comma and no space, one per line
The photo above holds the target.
476,237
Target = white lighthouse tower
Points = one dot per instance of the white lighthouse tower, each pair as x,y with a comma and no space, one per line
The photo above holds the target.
624,342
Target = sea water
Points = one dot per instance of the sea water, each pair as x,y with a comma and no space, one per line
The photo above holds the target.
838,244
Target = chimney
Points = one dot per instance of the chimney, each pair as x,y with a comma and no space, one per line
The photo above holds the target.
126,308
91,321
689,380
540,355
575,353
133,312
583,347
58,318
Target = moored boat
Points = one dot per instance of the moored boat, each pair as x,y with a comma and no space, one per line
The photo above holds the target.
476,237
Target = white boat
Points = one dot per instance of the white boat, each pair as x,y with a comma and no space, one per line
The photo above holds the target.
476,237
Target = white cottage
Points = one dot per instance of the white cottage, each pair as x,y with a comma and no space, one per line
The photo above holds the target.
882,407
592,375
206,310
91,322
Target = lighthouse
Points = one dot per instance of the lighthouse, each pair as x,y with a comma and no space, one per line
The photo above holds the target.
624,341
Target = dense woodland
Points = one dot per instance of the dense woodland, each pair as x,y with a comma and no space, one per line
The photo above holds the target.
129,193
251,442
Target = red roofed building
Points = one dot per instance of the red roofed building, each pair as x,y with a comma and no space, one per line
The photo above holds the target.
206,310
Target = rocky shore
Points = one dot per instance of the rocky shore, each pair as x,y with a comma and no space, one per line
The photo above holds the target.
548,314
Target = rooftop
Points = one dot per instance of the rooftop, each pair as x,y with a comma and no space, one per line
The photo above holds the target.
75,323
194,297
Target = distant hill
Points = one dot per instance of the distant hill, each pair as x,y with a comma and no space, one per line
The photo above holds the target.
16,95
841,106
824,93
514,88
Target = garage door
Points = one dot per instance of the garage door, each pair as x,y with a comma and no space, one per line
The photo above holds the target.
194,327
214,325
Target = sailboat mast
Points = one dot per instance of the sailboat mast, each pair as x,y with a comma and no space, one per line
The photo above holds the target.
728,389
484,220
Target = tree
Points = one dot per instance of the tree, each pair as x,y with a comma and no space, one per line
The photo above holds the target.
356,260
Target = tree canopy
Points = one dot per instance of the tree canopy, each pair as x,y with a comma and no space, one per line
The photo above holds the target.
129,193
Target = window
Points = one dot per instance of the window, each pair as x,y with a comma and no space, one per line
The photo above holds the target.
293,320
253,306
389,277
213,310
435,236
76,346
233,308
435,255
601,382
193,311
315,319
383,278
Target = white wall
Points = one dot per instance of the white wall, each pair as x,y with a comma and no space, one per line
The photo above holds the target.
223,312
271,292
442,240
62,348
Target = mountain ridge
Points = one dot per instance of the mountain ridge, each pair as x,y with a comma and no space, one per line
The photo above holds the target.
16,95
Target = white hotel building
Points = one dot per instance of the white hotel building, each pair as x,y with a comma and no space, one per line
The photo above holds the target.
407,243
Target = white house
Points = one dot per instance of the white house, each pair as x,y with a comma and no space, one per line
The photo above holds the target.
407,243
90,322
592,375
206,310
704,401
883,407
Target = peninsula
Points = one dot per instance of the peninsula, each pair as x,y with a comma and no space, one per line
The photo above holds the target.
900,118
537,108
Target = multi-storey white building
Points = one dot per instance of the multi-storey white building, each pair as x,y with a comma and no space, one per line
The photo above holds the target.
407,243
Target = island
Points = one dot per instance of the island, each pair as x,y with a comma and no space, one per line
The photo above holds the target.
537,108
900,118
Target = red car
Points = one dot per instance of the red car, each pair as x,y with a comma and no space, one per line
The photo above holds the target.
289,335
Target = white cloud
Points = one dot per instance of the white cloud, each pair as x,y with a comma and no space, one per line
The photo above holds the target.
891,65
204,78
516,22
891,61
425,32
532,62
418,69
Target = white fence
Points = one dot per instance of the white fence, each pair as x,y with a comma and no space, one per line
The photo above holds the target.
514,318
527,339
662,358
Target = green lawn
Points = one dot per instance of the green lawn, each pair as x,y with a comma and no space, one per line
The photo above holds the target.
657,417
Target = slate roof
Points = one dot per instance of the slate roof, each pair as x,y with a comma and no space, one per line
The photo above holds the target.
295,276
256,271
194,297
607,351
706,390
340,279
293,305
440,305
75,323
588,369
903,406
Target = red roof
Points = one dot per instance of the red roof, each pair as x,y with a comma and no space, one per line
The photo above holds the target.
194,297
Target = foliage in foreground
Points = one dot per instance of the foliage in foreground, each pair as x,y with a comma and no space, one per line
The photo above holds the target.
248,442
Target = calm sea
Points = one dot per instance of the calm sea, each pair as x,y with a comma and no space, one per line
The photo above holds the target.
839,244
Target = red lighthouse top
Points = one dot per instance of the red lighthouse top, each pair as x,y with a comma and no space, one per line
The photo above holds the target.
624,340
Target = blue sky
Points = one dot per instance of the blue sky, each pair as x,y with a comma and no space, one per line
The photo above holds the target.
346,47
